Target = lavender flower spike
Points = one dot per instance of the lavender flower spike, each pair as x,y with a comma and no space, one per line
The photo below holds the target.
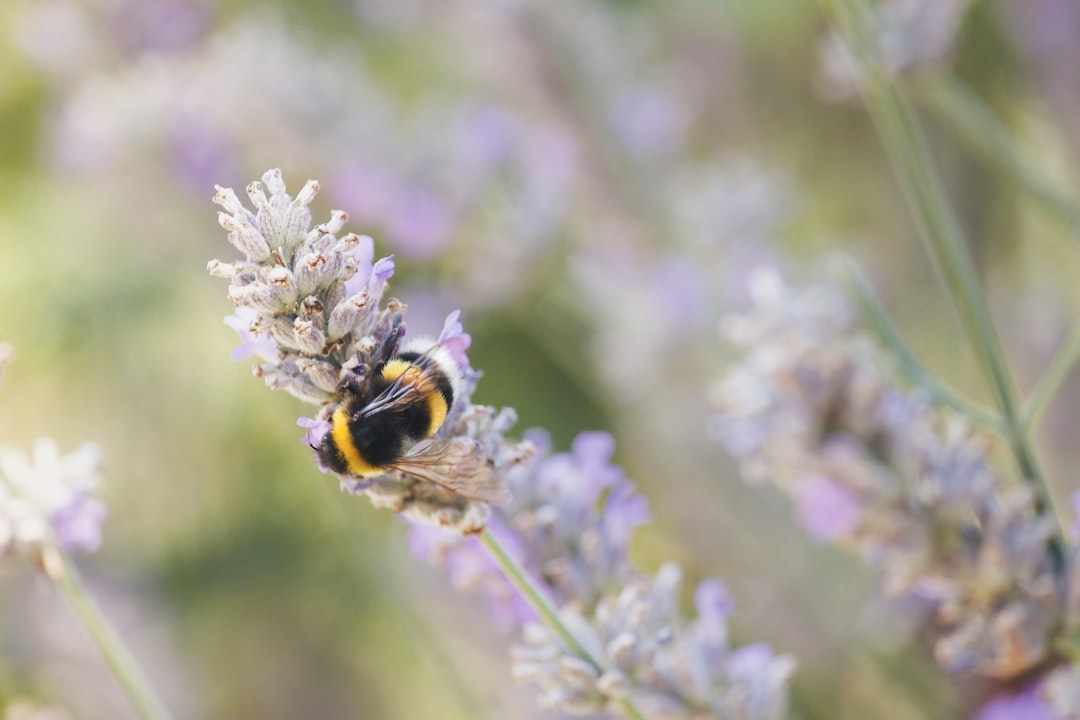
310,309
812,406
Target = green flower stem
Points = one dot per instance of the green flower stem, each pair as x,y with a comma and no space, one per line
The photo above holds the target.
888,335
545,608
911,159
983,131
120,660
1051,380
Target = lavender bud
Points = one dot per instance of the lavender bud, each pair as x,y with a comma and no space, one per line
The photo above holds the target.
226,198
245,238
580,704
284,284
259,296
614,684
309,336
282,220
622,650
578,673
322,374
346,315
216,268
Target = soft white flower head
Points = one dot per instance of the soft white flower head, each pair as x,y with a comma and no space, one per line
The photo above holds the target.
45,499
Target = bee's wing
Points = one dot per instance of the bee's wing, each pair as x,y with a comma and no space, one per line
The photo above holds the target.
398,394
401,392
457,464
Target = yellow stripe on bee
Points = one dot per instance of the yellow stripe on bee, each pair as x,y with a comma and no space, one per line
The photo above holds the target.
339,429
410,373
395,369
437,404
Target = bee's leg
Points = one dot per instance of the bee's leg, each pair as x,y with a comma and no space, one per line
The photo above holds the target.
389,346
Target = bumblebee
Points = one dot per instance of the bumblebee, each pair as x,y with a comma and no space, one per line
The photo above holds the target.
389,412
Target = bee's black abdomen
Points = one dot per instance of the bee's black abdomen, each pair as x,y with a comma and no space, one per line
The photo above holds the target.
378,438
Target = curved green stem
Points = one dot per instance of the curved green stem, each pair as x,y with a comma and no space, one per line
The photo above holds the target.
545,608
123,665
888,335
910,156
1051,380
980,128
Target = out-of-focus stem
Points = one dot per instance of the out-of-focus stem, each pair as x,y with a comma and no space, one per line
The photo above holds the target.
910,156
545,608
1051,380
888,335
120,660
980,128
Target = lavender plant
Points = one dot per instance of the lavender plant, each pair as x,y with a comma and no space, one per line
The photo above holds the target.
814,407
48,509
596,635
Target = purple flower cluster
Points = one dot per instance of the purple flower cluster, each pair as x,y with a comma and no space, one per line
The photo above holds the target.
812,406
570,525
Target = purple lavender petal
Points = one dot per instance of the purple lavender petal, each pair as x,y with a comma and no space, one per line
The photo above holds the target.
364,253
747,663
78,523
713,602
541,439
316,430
251,345
624,511
1024,705
384,268
827,510
455,340
592,452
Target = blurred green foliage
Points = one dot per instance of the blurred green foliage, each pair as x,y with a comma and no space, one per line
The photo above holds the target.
253,588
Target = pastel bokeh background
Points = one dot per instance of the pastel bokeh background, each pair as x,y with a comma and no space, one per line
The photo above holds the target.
591,183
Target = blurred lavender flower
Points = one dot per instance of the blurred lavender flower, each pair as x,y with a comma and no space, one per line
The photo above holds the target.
812,406
1025,705
909,34
46,501
668,666
570,525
